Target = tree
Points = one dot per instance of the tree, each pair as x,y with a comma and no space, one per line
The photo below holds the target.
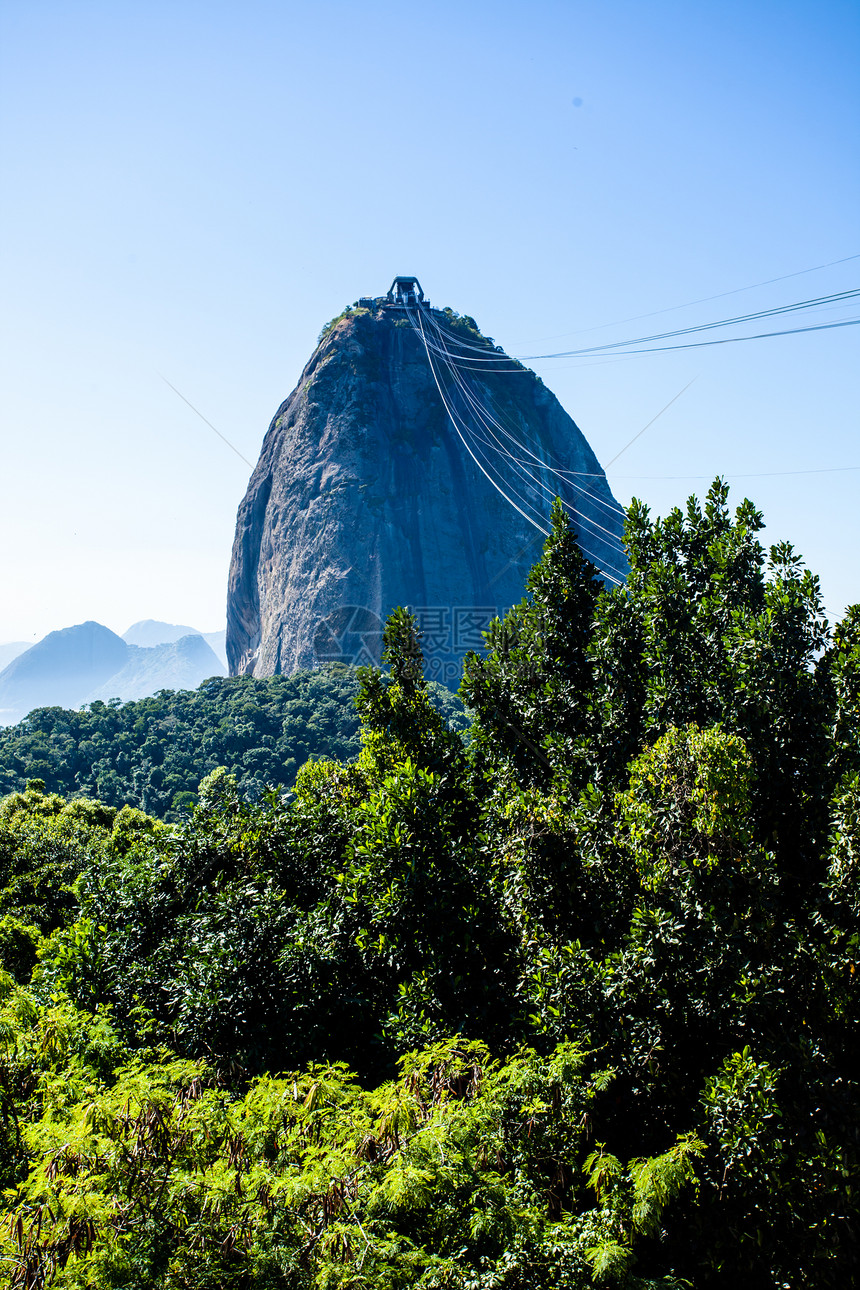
531,695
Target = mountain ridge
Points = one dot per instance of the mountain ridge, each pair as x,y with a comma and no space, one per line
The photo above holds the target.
79,664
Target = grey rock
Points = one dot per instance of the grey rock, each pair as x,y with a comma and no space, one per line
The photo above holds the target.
365,498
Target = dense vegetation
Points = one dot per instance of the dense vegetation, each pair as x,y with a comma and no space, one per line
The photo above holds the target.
572,1003
154,752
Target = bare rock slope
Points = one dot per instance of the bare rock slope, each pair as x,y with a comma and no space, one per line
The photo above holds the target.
365,498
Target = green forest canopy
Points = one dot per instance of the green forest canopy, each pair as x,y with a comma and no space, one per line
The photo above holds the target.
573,1003
153,753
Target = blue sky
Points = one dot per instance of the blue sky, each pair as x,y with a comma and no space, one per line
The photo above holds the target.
193,190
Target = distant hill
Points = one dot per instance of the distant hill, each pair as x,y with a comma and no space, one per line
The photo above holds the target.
217,641
153,753
80,664
61,670
11,650
177,665
149,632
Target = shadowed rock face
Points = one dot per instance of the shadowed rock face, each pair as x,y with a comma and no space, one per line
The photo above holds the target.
365,498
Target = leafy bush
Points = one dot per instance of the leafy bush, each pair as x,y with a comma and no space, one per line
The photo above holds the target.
573,1001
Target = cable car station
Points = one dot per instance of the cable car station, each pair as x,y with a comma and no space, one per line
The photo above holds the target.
404,293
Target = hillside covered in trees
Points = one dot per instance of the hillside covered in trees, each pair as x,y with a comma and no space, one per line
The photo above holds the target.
570,1003
153,753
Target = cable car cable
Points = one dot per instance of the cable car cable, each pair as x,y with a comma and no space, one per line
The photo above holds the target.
840,297
621,322
457,425
562,474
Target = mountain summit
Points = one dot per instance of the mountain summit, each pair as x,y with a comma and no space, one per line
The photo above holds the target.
415,463
87,662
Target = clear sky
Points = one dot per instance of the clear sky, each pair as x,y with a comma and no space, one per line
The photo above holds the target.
191,190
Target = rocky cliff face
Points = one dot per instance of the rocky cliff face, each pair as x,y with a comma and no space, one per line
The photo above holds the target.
365,498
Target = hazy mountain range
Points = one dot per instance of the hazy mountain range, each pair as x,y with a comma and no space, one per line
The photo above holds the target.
80,664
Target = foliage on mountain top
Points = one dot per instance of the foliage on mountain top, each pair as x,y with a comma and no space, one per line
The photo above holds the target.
573,1003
